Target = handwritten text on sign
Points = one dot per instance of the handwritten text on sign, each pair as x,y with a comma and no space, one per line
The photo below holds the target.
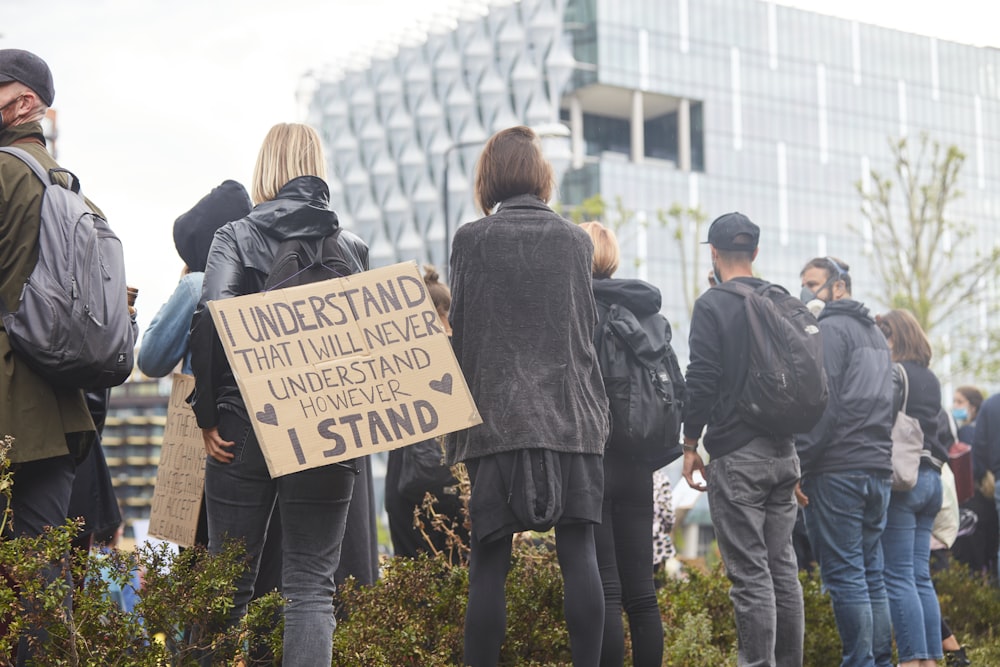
180,477
341,368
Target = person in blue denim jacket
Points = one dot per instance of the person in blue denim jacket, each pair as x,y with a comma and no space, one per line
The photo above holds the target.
165,342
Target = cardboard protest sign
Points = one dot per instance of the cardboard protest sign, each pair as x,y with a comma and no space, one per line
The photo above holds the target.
180,478
338,369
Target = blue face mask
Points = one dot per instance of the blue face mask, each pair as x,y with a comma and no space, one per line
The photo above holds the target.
960,414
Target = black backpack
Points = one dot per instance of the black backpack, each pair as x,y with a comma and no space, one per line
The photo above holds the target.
72,325
300,261
644,384
785,390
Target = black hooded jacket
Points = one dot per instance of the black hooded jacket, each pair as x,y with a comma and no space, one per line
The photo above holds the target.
238,263
637,295
855,430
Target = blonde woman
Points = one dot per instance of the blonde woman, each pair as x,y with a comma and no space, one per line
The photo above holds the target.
291,199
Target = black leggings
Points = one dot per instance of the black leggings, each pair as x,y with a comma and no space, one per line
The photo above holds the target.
583,603
625,555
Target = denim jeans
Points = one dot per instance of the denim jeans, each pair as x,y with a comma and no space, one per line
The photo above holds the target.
996,498
240,497
752,502
916,616
845,518
625,557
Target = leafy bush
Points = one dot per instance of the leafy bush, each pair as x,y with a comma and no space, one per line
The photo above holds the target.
415,613
971,603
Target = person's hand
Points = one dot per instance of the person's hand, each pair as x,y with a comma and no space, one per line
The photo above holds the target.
693,464
802,498
215,446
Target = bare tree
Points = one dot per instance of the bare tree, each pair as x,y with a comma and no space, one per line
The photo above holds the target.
684,224
921,254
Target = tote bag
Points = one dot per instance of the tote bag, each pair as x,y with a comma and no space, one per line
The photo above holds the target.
907,443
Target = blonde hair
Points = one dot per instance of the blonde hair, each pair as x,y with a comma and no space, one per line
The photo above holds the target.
607,255
289,150
512,164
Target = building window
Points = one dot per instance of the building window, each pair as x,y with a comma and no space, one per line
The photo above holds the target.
660,136
603,134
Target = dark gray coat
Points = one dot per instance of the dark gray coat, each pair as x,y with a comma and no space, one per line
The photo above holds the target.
523,316
855,431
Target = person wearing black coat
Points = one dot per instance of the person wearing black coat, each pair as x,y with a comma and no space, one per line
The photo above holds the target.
846,464
292,201
522,318
906,542
624,538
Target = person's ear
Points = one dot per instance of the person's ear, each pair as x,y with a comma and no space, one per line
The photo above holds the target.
753,257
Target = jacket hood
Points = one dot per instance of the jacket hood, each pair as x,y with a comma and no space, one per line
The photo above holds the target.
193,231
637,295
301,209
848,307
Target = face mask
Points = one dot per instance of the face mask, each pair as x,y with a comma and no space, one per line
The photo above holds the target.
815,306
2,123
960,414
718,276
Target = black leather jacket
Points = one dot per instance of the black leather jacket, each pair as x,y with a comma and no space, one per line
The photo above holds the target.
238,263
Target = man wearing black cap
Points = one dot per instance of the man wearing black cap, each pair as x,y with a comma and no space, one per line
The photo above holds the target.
752,474
51,426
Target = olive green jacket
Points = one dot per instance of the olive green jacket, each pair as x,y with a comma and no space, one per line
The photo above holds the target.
43,420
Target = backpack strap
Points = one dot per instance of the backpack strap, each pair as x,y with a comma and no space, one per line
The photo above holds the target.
46,177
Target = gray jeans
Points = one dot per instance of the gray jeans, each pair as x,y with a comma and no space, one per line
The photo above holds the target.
240,497
752,502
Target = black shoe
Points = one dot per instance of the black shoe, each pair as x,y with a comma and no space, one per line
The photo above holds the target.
956,658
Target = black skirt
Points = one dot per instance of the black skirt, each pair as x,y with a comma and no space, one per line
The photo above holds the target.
495,481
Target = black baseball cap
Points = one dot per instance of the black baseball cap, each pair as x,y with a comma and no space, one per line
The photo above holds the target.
29,69
726,230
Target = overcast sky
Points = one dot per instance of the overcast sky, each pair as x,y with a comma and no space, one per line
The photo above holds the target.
161,100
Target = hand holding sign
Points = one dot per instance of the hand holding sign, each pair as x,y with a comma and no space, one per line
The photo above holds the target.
342,368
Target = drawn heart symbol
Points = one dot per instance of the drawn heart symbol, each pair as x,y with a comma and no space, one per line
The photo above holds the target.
443,385
268,415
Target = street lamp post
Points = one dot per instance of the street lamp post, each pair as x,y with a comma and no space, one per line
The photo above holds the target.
546,131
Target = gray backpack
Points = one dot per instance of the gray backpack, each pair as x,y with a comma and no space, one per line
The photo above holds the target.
72,325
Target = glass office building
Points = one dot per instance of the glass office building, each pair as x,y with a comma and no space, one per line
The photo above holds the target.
718,105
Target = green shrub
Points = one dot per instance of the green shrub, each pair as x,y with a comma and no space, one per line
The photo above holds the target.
822,641
971,603
415,613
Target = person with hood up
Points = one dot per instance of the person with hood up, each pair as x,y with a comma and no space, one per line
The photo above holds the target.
292,201
624,537
847,464
165,342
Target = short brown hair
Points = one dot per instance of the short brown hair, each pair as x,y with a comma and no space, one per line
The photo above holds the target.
908,340
289,150
512,164
607,255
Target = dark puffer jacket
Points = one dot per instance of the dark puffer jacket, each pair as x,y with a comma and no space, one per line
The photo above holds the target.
855,431
238,263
